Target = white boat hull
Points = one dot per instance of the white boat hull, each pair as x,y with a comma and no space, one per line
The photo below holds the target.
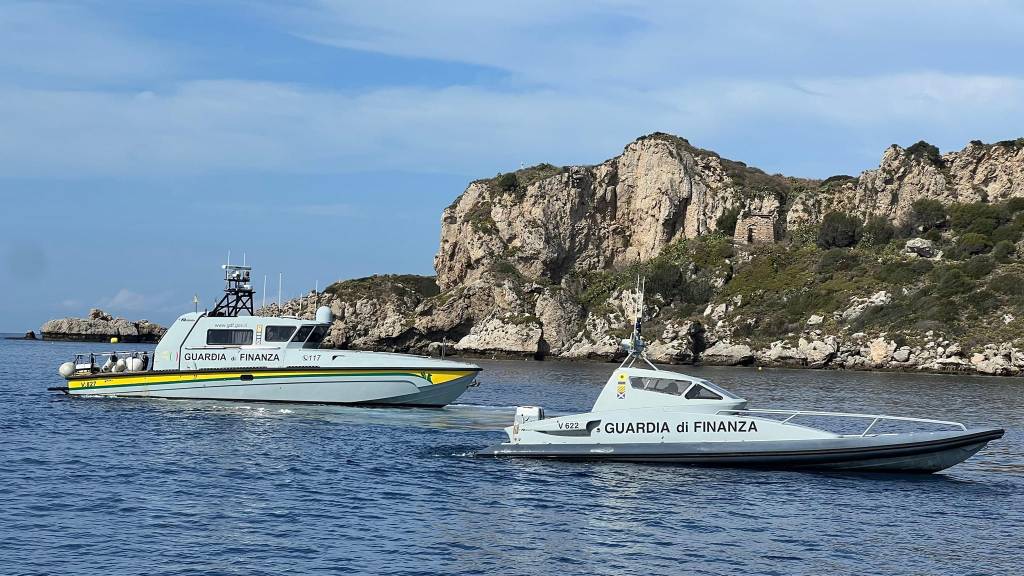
385,387
920,452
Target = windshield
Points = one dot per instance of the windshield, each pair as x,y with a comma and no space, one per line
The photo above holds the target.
318,335
302,334
718,390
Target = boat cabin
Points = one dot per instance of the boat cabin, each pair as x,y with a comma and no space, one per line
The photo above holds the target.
630,388
199,341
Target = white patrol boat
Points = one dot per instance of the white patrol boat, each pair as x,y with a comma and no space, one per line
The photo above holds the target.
224,355
652,415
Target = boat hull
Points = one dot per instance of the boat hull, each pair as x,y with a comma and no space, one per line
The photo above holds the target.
919,452
368,387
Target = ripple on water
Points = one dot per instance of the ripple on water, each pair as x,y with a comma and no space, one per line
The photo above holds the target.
103,486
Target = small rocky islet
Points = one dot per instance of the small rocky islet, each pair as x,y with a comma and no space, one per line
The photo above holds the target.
915,265
101,327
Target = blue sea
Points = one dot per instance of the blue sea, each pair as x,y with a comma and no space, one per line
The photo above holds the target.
155,487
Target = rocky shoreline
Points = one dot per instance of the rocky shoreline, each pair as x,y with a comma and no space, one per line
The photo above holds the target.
101,327
916,265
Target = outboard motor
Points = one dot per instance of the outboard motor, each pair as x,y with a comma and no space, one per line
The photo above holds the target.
528,414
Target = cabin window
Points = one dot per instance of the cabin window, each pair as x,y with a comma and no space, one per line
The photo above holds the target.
660,385
303,333
229,337
698,392
318,335
279,333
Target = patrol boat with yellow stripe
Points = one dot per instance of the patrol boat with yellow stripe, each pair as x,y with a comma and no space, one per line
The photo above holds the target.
645,414
224,355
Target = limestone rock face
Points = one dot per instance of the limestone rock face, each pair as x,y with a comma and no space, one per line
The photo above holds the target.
101,327
980,171
678,343
728,354
622,211
504,336
527,261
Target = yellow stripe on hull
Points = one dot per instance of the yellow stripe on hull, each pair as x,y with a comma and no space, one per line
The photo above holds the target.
432,376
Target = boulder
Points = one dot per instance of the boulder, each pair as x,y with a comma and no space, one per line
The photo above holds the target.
880,351
901,354
678,343
724,353
920,247
818,352
859,304
781,354
503,336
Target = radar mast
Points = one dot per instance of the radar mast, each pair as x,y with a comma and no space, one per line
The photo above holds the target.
238,292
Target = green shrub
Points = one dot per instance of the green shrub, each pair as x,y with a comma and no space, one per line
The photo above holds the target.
508,181
951,282
983,301
1010,284
1015,205
978,217
839,230
974,243
726,223
934,235
978,266
926,214
837,260
838,179
904,273
925,151
1006,233
879,231
1003,251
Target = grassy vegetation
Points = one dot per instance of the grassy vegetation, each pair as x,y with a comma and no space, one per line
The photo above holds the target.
408,285
781,285
517,182
680,278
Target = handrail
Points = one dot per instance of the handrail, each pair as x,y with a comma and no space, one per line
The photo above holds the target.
874,417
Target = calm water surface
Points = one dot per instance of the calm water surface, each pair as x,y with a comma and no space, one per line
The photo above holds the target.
122,486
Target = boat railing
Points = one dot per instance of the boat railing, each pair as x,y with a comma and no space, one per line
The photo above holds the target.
107,361
874,418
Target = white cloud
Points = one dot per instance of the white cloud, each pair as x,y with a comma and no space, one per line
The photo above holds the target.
125,299
47,42
765,84
209,126
643,44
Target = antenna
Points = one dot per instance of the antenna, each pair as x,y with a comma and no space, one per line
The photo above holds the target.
264,291
280,279
635,345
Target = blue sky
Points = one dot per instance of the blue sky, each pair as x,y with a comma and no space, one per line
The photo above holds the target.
141,140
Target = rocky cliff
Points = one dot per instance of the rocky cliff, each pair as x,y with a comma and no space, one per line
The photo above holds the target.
539,263
101,327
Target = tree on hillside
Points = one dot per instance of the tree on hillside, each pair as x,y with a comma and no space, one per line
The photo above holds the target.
508,181
879,231
926,214
839,230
